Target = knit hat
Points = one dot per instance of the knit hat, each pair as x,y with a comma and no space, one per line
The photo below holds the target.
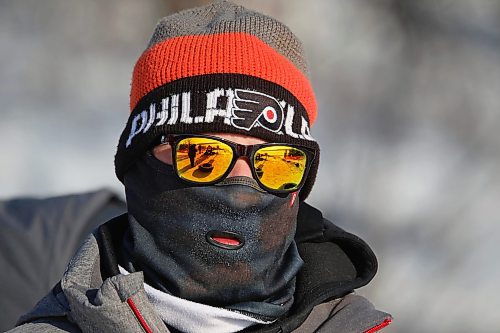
220,68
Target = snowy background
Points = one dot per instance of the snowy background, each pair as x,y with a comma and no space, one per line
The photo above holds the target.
409,122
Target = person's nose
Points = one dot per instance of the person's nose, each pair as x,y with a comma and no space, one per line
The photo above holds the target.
241,168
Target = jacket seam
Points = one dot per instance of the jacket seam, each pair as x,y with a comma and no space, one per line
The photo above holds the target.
380,326
139,316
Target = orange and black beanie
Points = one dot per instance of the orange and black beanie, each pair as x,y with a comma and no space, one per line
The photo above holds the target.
220,68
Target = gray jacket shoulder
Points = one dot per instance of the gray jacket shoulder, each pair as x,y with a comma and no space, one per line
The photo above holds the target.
82,302
350,314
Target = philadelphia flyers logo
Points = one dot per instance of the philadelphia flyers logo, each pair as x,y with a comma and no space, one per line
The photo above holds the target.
251,109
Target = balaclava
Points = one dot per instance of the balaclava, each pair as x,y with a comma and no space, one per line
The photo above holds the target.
217,68
173,239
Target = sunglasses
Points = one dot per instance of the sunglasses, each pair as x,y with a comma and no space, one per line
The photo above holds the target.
205,160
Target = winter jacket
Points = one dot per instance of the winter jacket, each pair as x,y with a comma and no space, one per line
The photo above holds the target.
93,297
38,237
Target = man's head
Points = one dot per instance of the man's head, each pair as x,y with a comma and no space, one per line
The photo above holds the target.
224,70
219,98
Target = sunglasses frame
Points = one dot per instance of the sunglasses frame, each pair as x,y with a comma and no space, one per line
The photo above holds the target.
239,150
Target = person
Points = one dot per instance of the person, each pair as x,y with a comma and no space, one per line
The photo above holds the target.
230,251
192,154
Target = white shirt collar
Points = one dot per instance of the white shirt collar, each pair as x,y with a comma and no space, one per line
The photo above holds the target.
192,317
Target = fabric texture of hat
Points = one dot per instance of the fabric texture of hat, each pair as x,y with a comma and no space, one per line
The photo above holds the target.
220,68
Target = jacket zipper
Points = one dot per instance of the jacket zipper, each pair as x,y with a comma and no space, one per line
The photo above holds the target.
139,316
380,326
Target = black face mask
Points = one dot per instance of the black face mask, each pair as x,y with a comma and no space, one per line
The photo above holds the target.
229,245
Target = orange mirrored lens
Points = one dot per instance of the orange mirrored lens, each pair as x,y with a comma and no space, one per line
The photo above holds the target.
202,160
280,167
